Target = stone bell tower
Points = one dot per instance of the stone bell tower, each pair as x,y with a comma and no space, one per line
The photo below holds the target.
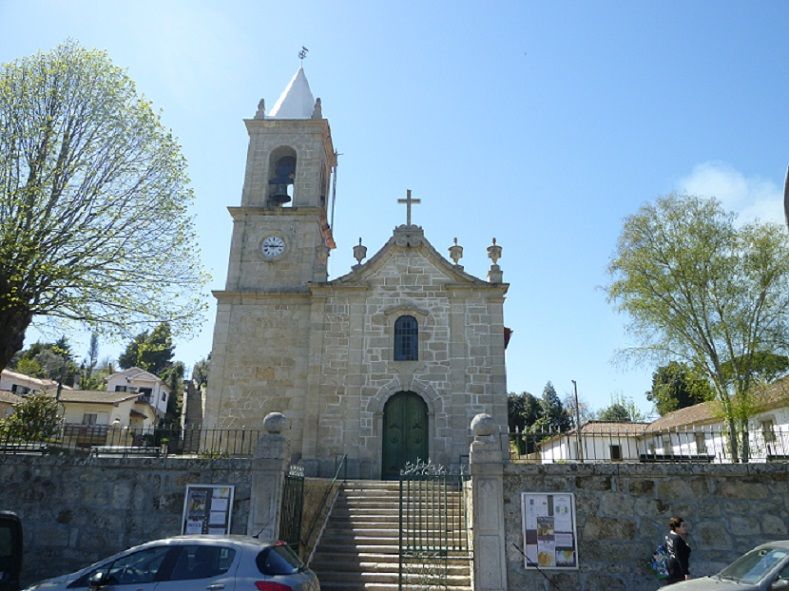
281,236
280,244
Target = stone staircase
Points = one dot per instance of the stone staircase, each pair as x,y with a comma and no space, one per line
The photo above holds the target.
359,549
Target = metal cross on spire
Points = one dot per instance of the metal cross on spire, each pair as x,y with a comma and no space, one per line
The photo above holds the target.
408,202
303,53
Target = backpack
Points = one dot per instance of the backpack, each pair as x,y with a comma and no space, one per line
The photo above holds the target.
660,562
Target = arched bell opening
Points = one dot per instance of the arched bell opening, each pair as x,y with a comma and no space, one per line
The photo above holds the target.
282,175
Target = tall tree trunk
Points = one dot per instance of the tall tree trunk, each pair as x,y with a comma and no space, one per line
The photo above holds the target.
735,456
14,321
745,450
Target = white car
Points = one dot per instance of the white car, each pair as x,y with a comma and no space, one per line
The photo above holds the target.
187,563
765,568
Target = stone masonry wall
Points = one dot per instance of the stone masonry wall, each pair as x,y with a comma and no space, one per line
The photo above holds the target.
460,371
623,512
75,511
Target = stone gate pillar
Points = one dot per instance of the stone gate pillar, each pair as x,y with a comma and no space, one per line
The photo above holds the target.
487,497
269,464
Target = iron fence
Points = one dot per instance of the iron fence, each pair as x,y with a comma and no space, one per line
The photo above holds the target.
113,440
292,506
433,525
636,442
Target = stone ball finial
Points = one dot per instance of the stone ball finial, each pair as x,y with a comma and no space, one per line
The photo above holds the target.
275,422
483,425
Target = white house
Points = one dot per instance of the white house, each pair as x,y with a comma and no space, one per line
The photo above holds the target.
149,387
21,384
92,417
700,429
600,441
695,433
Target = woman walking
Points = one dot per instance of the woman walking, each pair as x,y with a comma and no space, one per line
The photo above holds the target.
678,549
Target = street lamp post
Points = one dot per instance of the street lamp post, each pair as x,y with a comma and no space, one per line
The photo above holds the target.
577,424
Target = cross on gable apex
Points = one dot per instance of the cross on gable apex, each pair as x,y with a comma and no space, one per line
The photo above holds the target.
408,202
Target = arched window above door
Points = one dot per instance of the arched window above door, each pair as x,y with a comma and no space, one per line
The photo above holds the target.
406,339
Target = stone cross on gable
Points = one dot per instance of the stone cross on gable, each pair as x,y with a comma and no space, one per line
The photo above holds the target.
408,201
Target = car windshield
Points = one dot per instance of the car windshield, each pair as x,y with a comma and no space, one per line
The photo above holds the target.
751,567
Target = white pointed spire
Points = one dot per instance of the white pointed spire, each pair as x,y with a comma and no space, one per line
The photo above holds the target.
296,101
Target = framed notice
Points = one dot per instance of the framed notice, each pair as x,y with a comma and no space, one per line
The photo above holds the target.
207,509
549,537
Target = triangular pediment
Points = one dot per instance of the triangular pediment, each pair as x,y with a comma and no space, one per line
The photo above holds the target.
411,240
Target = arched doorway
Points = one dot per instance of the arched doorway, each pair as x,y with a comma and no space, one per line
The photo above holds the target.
404,433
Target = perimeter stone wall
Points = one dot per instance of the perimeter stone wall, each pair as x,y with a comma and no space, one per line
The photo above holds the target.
623,512
75,510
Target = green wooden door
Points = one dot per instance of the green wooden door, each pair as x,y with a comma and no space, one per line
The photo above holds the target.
405,433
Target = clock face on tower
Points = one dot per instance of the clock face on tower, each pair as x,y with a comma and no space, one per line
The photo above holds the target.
272,247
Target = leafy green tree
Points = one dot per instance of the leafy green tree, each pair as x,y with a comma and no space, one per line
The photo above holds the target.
767,367
676,385
29,367
90,379
53,361
623,410
94,202
201,368
700,289
616,412
173,376
36,418
152,351
522,411
585,413
553,416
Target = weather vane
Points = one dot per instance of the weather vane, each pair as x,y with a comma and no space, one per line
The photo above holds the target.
303,53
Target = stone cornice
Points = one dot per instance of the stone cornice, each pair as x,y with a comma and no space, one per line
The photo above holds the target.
254,297
238,212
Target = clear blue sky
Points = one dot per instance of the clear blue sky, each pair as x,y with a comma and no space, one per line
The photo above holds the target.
543,124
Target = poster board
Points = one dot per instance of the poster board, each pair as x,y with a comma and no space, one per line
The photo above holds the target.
549,534
208,509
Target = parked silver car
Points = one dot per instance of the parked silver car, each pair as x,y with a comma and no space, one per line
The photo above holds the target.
192,563
765,568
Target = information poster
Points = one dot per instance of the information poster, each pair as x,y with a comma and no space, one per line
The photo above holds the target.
207,509
549,537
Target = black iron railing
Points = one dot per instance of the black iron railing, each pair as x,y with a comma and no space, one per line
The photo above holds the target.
114,440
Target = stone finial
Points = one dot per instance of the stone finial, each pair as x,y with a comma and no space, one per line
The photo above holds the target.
359,253
483,425
275,422
317,110
456,252
494,253
261,112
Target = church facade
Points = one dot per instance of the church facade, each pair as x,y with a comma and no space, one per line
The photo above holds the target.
386,364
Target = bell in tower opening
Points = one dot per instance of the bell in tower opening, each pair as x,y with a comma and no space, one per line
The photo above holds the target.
282,182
